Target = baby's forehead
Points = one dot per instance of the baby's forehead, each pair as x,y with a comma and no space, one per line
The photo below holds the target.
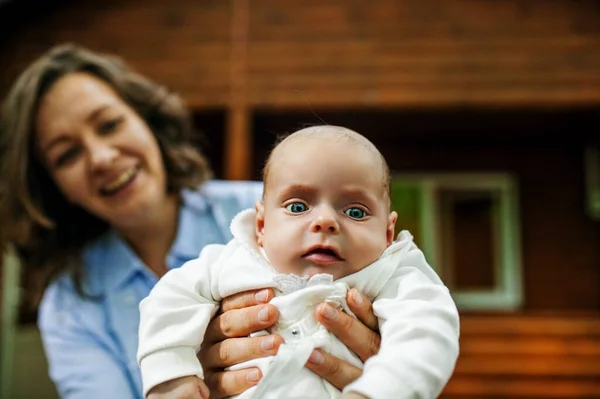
318,144
295,152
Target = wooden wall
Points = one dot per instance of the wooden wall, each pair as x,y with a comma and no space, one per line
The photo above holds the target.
246,54
344,52
241,63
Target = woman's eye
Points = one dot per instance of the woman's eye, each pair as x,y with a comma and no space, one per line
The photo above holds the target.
109,126
355,213
297,207
66,157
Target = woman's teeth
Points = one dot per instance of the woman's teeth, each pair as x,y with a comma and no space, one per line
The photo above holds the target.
120,182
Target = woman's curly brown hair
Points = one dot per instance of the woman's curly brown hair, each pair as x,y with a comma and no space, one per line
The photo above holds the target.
49,233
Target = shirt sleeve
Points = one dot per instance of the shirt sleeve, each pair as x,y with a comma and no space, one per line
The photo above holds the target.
419,326
80,365
174,318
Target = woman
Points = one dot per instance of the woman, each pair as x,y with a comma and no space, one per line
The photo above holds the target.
103,189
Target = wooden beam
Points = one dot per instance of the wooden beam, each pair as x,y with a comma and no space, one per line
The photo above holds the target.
238,140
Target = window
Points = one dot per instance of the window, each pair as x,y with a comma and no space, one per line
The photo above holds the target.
467,225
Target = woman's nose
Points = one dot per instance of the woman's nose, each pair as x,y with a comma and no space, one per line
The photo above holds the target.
101,155
325,222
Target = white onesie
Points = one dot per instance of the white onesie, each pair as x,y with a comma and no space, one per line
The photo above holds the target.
418,321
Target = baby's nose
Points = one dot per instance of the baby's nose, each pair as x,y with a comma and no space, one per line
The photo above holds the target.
325,223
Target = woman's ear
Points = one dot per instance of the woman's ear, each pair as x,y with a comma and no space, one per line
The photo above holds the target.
260,221
391,226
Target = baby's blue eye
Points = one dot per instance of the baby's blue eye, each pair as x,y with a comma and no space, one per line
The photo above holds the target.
355,213
297,207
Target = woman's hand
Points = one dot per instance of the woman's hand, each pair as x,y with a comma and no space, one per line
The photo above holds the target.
240,315
190,387
361,336
247,312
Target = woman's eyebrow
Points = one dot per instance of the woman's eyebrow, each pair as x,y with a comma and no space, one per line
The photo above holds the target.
94,114
54,142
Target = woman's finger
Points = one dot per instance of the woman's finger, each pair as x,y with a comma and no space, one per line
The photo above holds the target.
353,333
237,350
240,322
204,390
245,299
362,308
338,372
229,383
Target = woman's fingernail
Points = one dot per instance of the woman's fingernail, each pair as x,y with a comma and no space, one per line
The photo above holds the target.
253,376
263,314
358,299
316,357
329,312
267,343
261,296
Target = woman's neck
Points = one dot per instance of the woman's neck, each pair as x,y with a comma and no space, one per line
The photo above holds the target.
153,240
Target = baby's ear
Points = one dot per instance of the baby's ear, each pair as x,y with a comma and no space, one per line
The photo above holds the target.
259,221
391,226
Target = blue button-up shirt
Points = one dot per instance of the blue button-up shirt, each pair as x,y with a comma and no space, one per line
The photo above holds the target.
91,343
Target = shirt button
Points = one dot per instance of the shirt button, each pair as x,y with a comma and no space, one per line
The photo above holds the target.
294,333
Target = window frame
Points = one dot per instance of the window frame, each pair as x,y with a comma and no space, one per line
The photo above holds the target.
508,293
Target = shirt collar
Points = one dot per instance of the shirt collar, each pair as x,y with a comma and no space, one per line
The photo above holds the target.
113,253
110,263
193,207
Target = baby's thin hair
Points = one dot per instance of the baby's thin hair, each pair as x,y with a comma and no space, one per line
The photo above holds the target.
338,132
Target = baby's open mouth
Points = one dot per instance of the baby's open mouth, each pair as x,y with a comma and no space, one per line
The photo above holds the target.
323,254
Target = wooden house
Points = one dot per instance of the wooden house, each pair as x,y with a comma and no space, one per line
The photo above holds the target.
487,111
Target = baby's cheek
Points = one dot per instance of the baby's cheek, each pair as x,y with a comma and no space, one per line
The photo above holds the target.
275,251
373,247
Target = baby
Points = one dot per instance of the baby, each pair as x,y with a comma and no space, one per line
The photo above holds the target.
324,226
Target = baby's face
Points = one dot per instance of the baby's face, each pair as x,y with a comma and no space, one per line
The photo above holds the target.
325,208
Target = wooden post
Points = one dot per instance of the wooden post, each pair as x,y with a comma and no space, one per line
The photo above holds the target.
238,140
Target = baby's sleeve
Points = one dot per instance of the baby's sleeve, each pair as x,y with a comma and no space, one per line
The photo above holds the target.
419,326
174,318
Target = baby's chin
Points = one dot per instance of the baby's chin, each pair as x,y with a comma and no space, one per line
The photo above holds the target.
312,271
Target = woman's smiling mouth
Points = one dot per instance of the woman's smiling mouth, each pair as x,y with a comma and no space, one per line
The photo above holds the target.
120,182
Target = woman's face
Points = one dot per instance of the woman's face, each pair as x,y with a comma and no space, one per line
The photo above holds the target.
101,154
